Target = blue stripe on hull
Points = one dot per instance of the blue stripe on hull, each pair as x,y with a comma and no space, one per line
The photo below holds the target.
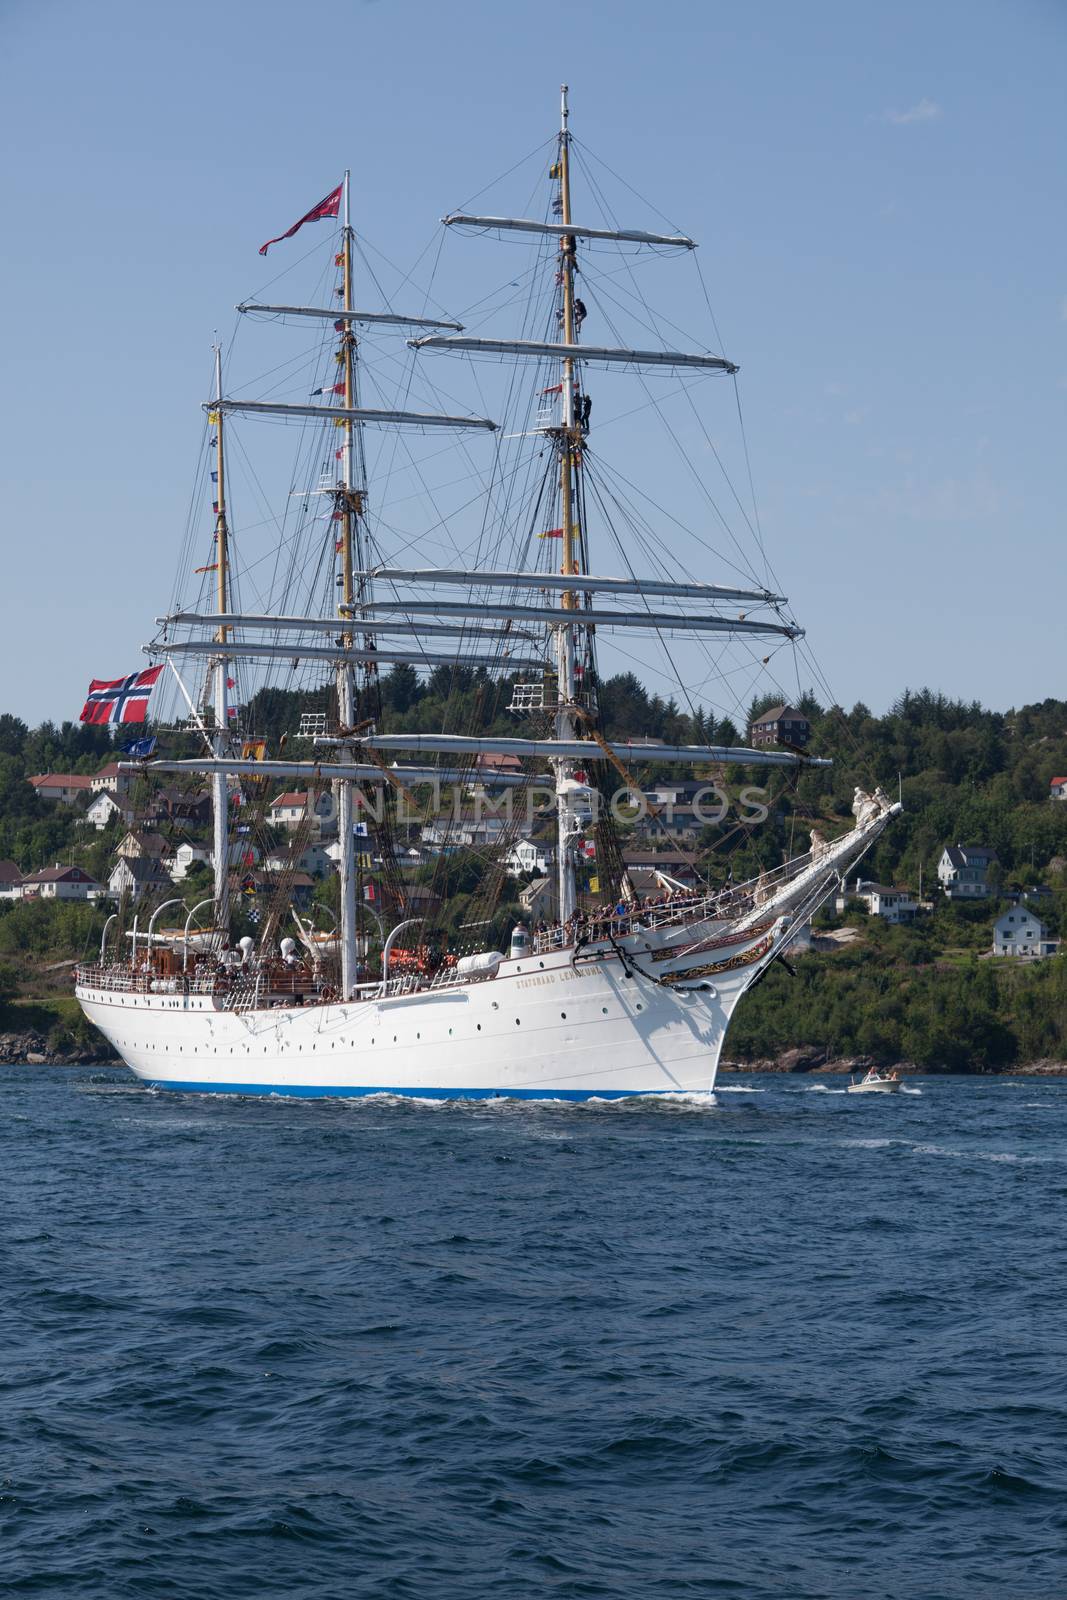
314,1092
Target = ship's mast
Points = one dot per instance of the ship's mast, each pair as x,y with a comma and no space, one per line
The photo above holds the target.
350,506
219,785
569,437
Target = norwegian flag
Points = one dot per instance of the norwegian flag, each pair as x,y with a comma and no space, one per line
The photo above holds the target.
120,699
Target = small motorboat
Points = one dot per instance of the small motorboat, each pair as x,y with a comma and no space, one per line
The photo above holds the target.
876,1082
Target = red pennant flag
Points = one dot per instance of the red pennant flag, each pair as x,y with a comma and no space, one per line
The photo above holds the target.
551,533
330,207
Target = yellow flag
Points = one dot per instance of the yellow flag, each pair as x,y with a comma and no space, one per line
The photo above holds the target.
555,171
594,886
213,419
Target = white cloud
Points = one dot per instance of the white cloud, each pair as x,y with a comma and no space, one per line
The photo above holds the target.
923,111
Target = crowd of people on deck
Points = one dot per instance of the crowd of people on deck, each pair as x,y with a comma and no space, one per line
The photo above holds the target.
584,927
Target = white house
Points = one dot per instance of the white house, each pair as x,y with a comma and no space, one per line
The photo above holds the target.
461,832
963,871
537,899
1017,932
70,787
314,859
892,905
291,810
105,808
109,778
136,876
59,883
186,856
1057,789
526,855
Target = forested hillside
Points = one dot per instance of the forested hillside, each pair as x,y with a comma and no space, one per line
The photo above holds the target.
924,993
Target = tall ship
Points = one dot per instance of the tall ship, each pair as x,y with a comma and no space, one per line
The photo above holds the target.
503,594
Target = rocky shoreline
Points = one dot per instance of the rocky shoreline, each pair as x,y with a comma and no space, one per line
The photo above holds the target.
811,1059
29,1048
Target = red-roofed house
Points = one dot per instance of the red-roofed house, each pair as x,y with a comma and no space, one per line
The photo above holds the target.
60,883
290,810
1057,789
111,778
66,786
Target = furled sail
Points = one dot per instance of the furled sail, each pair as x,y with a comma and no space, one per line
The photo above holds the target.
569,229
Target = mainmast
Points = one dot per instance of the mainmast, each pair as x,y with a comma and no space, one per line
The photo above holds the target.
220,794
569,455
350,506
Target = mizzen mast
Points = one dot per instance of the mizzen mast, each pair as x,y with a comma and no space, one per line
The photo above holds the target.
349,506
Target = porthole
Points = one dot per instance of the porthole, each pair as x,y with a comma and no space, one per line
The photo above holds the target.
517,1021
479,1027
604,1009
639,1007
563,1014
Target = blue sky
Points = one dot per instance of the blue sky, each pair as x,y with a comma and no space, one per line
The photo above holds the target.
877,190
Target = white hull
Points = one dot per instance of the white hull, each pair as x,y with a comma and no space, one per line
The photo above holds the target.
645,1014
546,1026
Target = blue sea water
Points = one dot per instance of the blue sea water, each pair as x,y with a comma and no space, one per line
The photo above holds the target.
794,1344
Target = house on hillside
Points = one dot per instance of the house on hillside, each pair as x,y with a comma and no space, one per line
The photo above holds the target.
104,808
70,787
314,859
780,725
527,855
463,831
60,883
492,772
10,881
110,780
537,899
892,905
136,845
186,856
963,871
177,805
1057,789
293,809
136,876
1017,932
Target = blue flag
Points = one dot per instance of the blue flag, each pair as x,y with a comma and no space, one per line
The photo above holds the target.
140,749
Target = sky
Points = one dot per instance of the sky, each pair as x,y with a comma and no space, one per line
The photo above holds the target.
878,195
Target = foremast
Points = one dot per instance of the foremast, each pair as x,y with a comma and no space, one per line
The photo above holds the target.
569,457
220,793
